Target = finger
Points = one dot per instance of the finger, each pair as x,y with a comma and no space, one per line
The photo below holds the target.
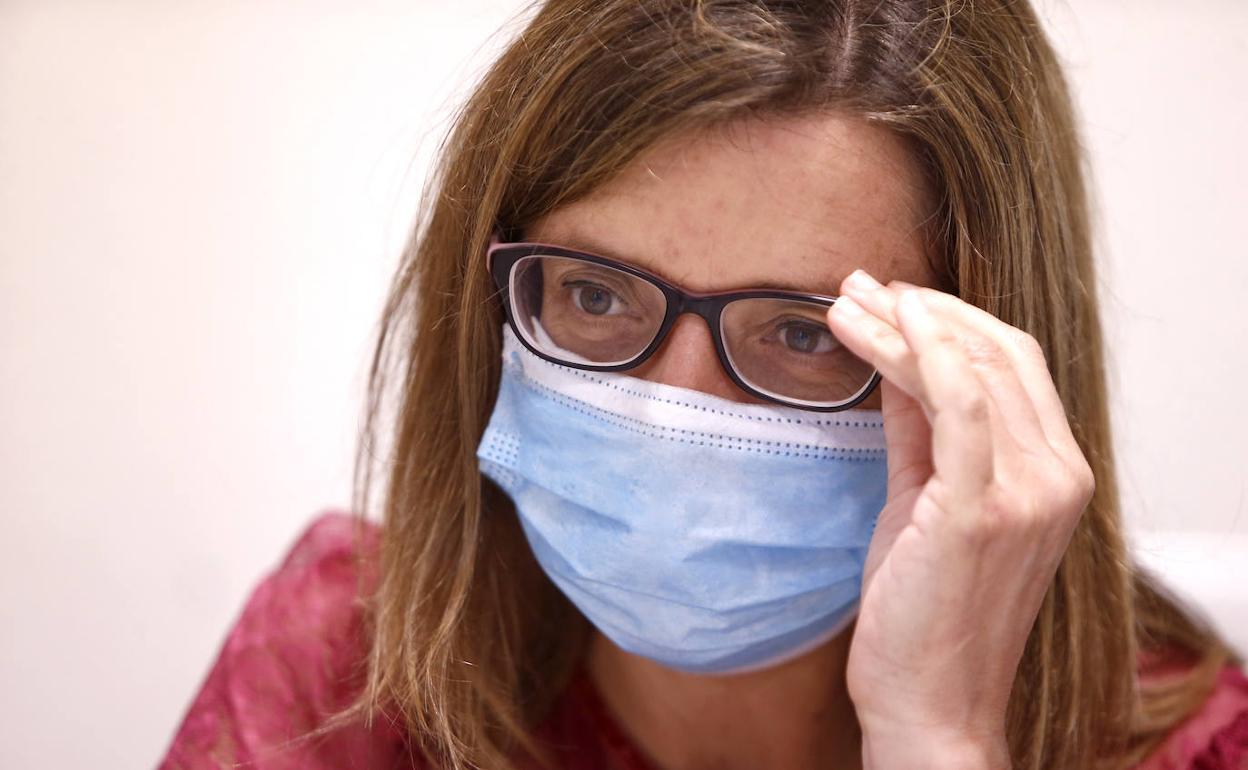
875,342
1029,363
908,438
961,410
993,362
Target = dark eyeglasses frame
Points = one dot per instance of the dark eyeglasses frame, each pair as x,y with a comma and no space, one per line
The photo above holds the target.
501,257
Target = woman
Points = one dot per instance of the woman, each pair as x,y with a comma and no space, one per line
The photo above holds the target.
862,513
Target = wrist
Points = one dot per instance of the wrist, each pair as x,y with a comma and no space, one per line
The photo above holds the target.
891,749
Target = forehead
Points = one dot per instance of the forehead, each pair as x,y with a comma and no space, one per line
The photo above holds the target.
795,203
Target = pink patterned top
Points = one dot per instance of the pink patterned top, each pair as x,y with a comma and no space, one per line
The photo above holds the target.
295,654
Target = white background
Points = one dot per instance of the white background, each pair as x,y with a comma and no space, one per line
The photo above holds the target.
200,204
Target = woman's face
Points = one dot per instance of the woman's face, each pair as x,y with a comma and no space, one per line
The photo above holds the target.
797,204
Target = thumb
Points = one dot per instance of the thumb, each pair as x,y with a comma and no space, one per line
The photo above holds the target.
908,440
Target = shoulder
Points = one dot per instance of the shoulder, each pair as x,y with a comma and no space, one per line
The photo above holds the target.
1215,736
294,655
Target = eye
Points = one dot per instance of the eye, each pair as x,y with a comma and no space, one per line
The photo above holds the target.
595,299
803,337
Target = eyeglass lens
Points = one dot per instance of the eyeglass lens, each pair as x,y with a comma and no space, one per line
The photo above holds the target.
585,313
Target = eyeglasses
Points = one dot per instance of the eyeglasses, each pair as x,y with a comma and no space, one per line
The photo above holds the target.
589,312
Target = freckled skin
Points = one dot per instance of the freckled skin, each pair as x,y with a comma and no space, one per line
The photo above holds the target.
798,201
801,202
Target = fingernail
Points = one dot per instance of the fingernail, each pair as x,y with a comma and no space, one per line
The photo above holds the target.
847,306
861,279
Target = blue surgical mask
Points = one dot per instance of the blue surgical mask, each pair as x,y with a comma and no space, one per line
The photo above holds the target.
705,534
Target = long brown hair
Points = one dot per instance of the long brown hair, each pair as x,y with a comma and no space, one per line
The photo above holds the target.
470,642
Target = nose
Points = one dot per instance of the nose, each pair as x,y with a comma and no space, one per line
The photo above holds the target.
687,359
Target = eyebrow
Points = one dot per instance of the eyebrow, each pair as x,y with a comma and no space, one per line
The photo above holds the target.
578,242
